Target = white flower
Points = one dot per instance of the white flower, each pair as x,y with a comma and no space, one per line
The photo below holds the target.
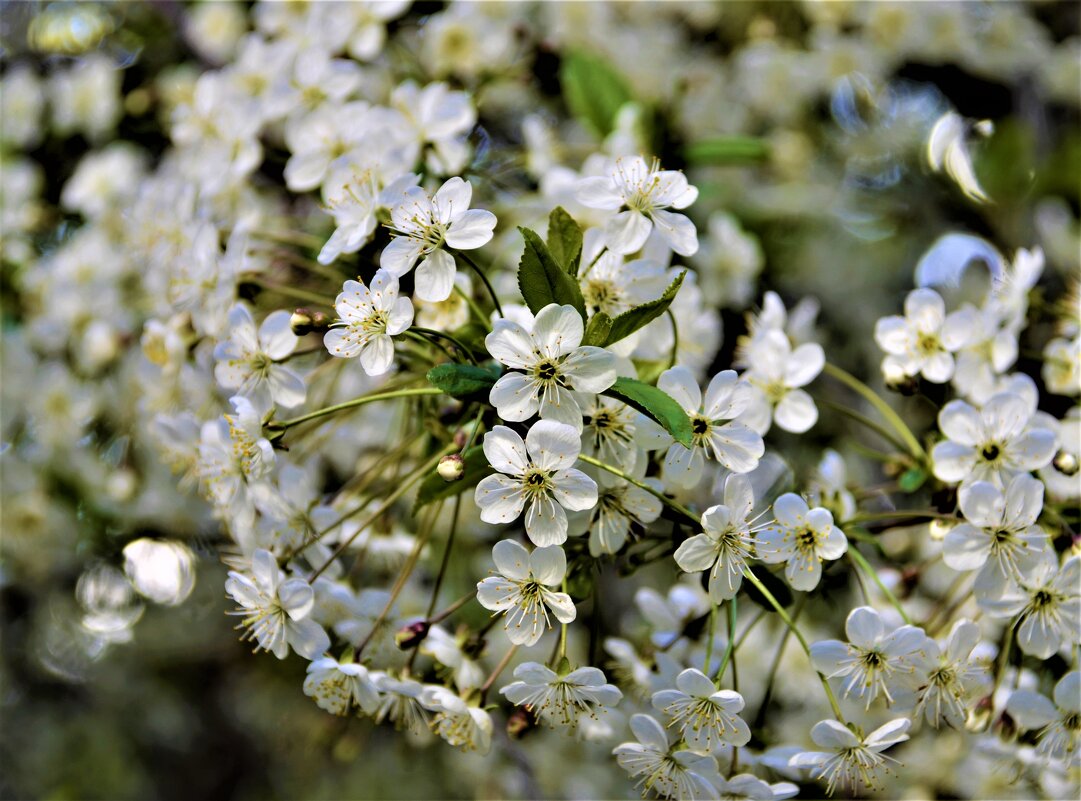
446,649
671,773
339,686
553,366
523,590
233,456
248,360
613,286
439,120
561,699
424,225
830,485
750,787
540,472
802,538
276,610
778,373
872,662
993,443
619,505
1059,724
999,537
732,444
613,432
461,725
644,193
368,318
401,703
705,716
1048,601
850,761
947,150
1062,366
354,209
924,340
951,676
725,543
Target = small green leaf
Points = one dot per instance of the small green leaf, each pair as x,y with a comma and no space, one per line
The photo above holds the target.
630,321
436,488
655,404
597,330
564,240
912,479
726,150
542,281
463,380
593,91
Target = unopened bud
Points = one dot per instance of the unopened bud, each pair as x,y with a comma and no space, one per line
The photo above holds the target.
1066,463
412,635
451,468
301,322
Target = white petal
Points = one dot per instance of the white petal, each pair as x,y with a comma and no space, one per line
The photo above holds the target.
680,383
627,231
500,499
472,230
276,335
796,412
400,255
864,627
548,565
435,277
558,330
546,522
511,559
574,490
515,397
677,230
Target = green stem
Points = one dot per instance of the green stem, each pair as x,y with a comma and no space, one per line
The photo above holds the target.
751,577
709,637
729,652
615,471
904,514
484,278
290,291
431,332
446,557
862,562
476,310
495,673
379,396
887,412
878,428
403,488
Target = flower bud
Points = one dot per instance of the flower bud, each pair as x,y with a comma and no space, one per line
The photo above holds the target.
301,322
412,635
1066,463
451,468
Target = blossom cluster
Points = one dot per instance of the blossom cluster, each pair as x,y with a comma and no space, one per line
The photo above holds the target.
469,438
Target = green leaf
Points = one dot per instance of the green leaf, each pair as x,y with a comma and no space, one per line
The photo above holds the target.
726,150
912,479
436,488
564,240
597,330
593,91
655,404
463,380
542,281
630,321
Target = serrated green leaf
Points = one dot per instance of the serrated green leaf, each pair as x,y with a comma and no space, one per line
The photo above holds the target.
655,404
463,380
597,330
542,281
564,240
436,488
912,479
593,91
630,321
726,150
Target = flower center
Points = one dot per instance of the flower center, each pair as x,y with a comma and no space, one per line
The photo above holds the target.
700,427
600,295
990,452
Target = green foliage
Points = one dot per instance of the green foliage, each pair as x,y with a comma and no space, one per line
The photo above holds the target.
436,488
463,380
912,479
593,91
564,240
542,281
597,330
726,150
655,404
630,321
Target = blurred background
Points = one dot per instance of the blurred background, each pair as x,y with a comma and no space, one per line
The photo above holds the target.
805,126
